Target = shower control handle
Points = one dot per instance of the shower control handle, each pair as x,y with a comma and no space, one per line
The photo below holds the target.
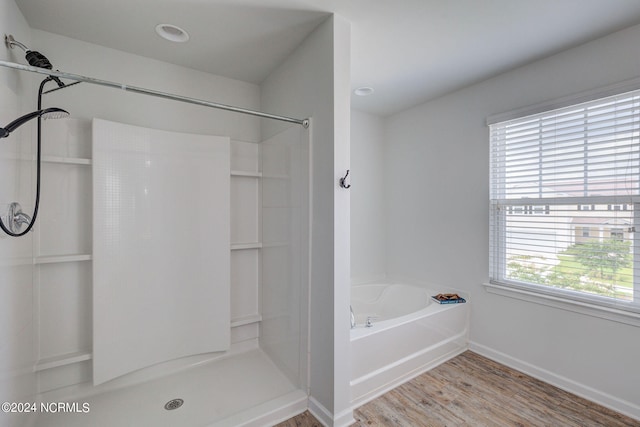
16,218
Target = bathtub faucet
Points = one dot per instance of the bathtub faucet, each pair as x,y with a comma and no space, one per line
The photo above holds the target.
369,321
353,318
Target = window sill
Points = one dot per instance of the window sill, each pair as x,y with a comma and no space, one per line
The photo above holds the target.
582,307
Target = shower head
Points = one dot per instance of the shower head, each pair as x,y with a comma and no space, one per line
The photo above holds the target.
34,58
47,113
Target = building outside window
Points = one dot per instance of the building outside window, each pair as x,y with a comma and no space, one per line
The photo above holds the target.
565,201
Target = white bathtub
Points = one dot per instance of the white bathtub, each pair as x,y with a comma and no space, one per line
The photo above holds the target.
410,334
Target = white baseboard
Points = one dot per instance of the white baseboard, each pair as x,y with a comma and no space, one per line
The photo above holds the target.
344,419
624,407
412,366
320,412
326,418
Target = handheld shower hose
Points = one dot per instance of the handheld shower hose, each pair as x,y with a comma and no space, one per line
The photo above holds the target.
16,218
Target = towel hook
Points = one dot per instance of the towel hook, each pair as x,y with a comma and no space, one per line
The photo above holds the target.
343,181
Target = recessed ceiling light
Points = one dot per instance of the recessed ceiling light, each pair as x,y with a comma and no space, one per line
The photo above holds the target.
172,33
364,91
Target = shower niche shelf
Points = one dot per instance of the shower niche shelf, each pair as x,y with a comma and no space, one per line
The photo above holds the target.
243,246
52,259
246,174
66,160
246,320
62,360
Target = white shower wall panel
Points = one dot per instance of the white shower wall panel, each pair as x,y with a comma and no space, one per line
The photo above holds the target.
65,295
245,156
245,202
285,250
65,197
63,275
245,279
170,286
17,382
278,224
67,138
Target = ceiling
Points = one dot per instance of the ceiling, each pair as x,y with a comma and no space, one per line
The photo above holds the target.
409,51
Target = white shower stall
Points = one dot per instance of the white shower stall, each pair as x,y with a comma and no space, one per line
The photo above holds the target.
264,372
90,321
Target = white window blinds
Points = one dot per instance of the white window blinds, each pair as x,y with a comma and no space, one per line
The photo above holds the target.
564,191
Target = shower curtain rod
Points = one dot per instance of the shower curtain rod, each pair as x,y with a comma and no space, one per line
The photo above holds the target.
78,78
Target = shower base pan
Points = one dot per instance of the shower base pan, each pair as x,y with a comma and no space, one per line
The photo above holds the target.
244,390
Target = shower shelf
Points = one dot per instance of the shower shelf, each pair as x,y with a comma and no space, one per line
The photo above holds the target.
49,159
62,360
62,258
241,246
67,160
247,174
246,320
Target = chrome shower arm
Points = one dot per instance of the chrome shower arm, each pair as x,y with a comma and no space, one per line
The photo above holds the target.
11,42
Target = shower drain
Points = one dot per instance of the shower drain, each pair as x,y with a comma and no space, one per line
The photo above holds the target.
173,404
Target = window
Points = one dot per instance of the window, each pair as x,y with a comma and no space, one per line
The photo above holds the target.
565,201
528,210
586,207
617,234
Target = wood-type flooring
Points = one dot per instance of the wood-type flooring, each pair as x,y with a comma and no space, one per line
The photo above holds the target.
471,390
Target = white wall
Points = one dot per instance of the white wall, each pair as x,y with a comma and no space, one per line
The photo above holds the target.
87,100
314,82
17,330
437,220
367,177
